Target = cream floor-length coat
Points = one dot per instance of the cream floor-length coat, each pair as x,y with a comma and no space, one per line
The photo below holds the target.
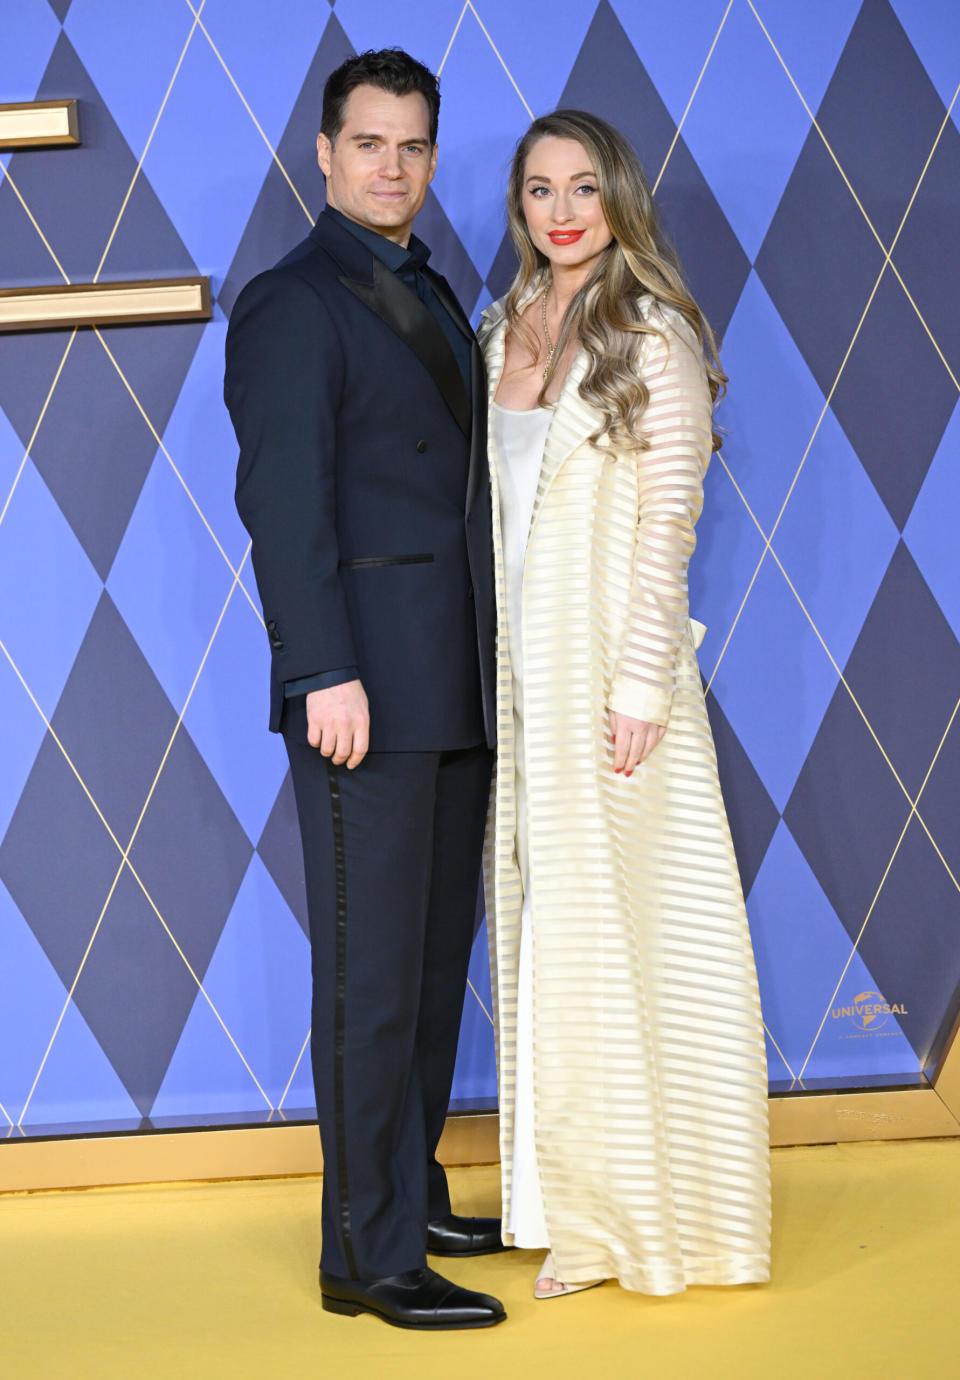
650,1088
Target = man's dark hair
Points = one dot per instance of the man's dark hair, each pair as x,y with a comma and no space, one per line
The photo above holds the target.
392,70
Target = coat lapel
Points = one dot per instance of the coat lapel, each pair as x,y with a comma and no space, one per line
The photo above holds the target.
448,299
405,314
573,419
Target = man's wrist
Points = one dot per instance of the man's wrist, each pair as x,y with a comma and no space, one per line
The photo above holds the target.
323,680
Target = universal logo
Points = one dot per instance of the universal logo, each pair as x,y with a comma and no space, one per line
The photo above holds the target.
868,1015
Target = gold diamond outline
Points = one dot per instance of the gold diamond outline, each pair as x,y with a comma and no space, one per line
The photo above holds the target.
236,581
125,862
911,801
903,833
887,261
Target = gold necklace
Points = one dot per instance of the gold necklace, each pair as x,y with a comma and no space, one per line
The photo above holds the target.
546,336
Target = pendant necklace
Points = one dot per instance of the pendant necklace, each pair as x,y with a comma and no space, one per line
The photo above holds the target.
546,336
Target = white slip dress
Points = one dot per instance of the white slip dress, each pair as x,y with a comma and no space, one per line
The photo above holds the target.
518,441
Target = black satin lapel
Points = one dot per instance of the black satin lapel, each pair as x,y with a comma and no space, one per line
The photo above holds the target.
447,298
405,314
478,474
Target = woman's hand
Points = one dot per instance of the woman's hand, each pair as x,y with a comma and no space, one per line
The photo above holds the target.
633,741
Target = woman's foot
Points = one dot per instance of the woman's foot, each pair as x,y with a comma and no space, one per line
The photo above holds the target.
549,1287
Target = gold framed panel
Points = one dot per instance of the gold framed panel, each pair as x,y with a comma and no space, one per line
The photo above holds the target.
279,1150
62,306
39,124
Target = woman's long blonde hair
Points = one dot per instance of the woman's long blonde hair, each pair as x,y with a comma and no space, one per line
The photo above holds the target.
605,314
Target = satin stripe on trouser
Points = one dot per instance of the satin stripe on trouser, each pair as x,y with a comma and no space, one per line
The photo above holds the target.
410,830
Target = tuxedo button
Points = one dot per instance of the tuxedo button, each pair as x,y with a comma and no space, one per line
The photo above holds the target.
469,591
421,446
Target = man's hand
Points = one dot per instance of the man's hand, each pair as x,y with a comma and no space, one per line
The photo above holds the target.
633,741
338,722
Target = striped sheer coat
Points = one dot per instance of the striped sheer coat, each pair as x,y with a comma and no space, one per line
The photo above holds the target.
649,1060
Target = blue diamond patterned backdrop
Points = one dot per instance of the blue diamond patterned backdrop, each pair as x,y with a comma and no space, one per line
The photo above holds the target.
807,158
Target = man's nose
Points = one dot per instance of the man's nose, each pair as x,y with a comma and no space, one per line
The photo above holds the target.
390,163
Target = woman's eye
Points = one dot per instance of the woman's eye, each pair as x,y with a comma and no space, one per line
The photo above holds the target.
586,187
535,191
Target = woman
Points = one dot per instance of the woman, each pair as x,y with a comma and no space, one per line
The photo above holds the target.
633,1116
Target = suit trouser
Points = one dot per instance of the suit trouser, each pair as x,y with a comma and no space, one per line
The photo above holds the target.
392,858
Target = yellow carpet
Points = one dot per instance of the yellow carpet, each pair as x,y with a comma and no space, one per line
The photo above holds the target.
220,1280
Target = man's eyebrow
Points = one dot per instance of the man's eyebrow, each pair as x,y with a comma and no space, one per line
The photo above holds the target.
359,137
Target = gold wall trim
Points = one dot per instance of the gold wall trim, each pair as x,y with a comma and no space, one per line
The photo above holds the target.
38,124
277,1150
62,306
887,1114
255,1152
946,1076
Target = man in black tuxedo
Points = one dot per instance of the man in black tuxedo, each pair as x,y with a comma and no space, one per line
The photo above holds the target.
357,392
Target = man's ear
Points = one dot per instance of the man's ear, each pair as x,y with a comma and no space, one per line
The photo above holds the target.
324,150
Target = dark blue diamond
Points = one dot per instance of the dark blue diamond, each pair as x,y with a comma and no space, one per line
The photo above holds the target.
277,221
94,450
912,942
503,269
819,262
880,115
91,180
610,80
905,669
146,244
448,255
26,259
282,853
28,366
939,804
114,719
752,814
846,812
926,252
57,861
191,852
894,399
135,992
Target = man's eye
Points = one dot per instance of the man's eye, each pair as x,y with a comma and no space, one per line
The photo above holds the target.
413,148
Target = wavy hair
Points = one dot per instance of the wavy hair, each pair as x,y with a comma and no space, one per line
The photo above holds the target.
605,314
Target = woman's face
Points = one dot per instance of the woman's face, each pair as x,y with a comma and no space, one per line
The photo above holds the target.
561,202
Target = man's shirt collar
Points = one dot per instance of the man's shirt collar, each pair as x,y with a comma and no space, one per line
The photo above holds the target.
393,255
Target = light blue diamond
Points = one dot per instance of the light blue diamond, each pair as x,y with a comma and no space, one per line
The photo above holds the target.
836,539
931,530
51,589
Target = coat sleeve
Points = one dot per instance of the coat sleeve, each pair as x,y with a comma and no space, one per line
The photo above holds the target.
677,423
283,381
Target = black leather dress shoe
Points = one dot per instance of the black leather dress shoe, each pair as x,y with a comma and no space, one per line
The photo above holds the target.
452,1235
417,1298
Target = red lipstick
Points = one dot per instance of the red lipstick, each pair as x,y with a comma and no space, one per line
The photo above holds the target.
565,236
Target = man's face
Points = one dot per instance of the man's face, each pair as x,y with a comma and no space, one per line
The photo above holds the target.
382,163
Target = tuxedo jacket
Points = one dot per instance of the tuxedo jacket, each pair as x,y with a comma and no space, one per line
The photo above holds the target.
362,480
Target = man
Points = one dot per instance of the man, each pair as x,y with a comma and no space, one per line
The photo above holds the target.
357,393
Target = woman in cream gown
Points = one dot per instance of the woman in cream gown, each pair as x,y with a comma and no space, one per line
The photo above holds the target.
633,1093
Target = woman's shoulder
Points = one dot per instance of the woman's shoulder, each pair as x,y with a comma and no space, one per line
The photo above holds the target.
669,323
